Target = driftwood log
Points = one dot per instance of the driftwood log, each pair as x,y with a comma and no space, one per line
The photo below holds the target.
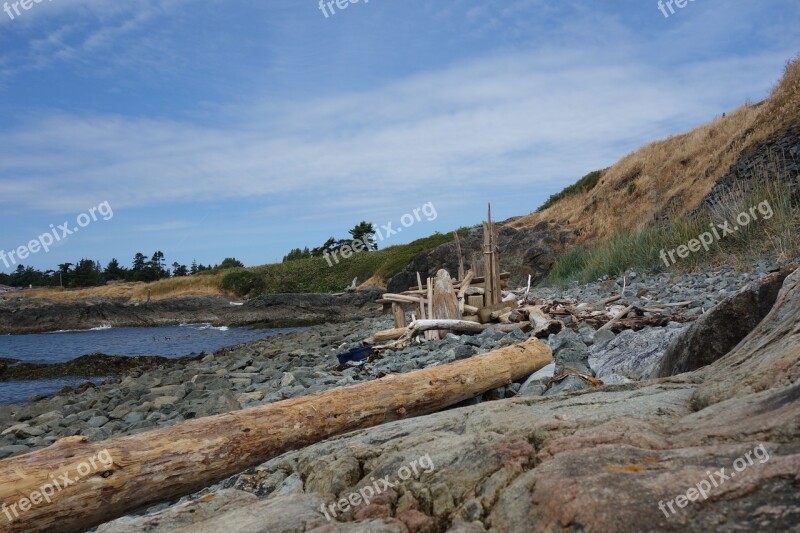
167,463
404,336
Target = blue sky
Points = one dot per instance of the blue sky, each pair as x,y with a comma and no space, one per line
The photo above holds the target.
217,129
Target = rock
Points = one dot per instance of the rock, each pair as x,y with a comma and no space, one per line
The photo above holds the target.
287,380
566,385
23,431
132,418
164,401
569,351
210,382
602,337
464,352
586,334
717,332
97,421
250,397
632,354
17,449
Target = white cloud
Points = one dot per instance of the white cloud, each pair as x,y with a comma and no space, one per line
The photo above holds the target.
522,120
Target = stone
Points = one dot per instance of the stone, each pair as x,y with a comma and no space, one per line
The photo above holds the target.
23,431
464,351
9,451
567,385
633,354
287,380
97,421
164,401
250,397
569,351
602,337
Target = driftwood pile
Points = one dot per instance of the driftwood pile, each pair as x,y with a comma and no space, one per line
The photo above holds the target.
474,303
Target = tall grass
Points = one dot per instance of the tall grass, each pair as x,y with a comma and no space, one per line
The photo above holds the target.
777,237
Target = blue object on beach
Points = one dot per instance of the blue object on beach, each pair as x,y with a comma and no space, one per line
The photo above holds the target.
355,355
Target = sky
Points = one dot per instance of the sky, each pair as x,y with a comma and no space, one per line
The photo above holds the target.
212,129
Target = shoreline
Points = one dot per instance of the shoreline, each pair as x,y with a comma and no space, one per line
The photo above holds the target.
21,316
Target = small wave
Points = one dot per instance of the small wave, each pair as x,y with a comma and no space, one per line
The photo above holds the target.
103,327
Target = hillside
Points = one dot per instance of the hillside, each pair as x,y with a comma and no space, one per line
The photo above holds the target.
672,177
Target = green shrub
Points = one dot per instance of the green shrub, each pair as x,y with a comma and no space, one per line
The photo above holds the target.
586,183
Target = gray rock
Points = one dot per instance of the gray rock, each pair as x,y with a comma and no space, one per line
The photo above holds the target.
633,354
602,337
566,385
464,351
97,421
8,451
569,351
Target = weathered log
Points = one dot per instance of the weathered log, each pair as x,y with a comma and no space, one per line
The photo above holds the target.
399,298
543,325
386,335
461,270
133,472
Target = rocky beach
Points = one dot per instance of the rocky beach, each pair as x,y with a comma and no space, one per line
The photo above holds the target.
462,494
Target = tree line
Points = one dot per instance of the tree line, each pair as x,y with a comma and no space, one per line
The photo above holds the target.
89,273
363,231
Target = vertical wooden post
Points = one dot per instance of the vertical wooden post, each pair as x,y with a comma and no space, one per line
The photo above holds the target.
488,283
399,315
431,335
461,270
491,263
476,265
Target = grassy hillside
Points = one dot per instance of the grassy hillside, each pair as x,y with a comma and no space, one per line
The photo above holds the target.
671,177
647,248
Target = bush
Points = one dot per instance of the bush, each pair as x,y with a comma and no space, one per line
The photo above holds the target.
586,183
242,282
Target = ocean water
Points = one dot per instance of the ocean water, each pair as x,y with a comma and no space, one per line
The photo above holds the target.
171,342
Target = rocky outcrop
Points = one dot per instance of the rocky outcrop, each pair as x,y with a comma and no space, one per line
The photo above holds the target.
715,449
715,334
527,251
774,159
22,315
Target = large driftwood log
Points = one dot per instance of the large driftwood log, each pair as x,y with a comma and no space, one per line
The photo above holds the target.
445,305
132,472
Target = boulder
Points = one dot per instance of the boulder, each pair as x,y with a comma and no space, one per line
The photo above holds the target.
717,332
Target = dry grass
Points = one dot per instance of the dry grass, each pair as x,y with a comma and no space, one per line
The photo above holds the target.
207,285
671,177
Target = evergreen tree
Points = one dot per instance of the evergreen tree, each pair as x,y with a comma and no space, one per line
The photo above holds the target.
114,272
87,273
365,232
